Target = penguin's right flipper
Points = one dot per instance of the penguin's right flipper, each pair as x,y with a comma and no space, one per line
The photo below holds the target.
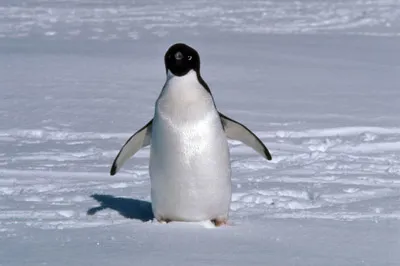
235,130
140,139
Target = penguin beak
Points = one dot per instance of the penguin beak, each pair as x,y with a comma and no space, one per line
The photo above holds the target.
178,56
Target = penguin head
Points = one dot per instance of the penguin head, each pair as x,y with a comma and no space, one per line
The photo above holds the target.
181,58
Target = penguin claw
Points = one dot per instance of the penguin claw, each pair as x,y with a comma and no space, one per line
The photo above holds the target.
163,221
215,222
219,222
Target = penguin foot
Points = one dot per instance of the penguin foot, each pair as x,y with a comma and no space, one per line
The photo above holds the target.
219,222
163,221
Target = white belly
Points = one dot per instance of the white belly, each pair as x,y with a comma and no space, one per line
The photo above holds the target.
189,161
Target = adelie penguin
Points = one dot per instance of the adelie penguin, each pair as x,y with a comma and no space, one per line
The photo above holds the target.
190,169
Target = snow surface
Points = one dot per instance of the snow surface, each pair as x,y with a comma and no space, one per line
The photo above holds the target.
318,81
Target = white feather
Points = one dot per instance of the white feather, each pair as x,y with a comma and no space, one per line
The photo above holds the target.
189,160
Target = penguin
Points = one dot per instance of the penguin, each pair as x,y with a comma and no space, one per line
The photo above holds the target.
190,170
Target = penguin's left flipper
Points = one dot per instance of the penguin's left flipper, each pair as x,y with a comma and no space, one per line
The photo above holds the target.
140,139
236,131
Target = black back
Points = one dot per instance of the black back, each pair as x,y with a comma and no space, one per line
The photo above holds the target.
180,59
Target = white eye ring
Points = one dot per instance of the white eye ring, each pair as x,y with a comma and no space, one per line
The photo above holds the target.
189,57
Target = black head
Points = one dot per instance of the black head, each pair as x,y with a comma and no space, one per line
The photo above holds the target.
181,58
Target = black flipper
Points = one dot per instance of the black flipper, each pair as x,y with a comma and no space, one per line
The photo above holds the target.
140,139
236,131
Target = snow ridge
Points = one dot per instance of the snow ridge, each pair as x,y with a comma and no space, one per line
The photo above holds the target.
104,21
318,173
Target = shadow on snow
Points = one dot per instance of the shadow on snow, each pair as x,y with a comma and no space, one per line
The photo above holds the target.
129,208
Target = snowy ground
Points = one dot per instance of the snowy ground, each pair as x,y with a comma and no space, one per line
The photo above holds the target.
318,81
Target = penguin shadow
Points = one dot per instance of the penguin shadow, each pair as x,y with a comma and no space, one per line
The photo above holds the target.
128,208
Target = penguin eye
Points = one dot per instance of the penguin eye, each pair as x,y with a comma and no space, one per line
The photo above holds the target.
189,57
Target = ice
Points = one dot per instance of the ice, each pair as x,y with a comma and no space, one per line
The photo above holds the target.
317,81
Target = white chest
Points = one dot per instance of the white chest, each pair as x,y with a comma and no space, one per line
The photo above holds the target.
186,123
183,99
189,159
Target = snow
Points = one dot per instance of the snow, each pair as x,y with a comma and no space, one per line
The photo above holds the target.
317,81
